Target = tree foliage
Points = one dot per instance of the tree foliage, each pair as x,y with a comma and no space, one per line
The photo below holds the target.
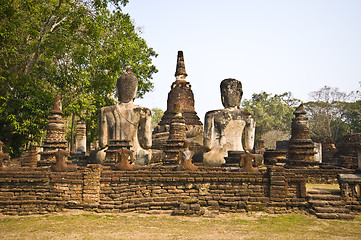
353,116
271,137
327,112
157,115
76,48
271,112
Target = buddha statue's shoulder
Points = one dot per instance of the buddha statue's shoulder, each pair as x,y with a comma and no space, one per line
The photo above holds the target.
246,114
108,108
213,113
142,110
232,112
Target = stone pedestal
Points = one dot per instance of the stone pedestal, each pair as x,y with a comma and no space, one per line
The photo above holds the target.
233,159
275,157
55,135
80,138
242,161
113,147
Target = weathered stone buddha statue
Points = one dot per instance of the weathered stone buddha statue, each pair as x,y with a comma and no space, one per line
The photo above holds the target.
224,128
126,123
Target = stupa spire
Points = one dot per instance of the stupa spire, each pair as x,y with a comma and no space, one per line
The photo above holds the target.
180,95
57,107
181,69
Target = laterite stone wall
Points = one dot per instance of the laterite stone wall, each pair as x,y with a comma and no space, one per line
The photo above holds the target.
322,175
97,188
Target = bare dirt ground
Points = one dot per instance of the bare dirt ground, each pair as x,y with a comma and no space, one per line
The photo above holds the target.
257,225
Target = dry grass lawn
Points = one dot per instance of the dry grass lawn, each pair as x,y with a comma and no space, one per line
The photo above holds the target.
83,225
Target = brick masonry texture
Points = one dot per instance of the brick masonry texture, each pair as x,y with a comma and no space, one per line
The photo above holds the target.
97,188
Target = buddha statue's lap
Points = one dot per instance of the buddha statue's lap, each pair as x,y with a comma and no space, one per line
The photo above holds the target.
224,128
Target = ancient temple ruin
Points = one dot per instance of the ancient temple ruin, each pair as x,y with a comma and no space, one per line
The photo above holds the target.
175,184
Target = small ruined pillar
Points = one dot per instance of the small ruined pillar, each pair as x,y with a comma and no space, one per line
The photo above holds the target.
260,148
300,149
359,156
29,158
55,135
80,137
347,150
4,157
177,136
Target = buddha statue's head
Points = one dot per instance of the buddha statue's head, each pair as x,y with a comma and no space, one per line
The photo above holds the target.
231,93
127,85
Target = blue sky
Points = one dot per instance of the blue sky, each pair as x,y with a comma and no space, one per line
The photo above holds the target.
269,45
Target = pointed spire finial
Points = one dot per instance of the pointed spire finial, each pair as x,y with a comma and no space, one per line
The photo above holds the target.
181,69
57,107
300,110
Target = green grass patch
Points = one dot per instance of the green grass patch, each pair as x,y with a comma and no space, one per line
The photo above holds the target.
141,226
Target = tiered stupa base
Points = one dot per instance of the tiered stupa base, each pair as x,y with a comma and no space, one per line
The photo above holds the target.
175,142
301,154
191,120
171,154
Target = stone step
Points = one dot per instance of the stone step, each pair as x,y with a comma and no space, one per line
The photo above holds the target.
328,205
322,192
346,216
322,203
343,216
357,208
331,210
327,197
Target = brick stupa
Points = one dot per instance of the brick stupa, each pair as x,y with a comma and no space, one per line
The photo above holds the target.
55,135
181,95
300,149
